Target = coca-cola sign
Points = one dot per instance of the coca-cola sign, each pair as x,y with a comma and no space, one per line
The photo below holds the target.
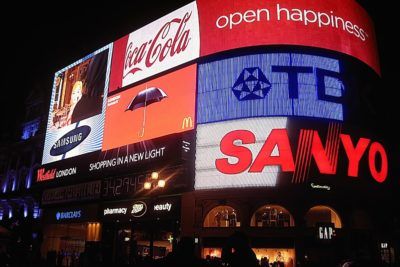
164,44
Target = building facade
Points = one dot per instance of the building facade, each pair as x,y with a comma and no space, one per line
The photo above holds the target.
215,119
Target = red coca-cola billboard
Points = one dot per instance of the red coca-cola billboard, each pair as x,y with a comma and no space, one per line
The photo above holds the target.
341,26
161,45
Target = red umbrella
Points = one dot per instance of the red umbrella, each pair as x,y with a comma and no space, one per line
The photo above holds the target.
143,99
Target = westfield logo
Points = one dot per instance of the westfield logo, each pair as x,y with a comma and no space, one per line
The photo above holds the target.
43,175
171,39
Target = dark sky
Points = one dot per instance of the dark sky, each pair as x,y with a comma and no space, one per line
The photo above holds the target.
39,39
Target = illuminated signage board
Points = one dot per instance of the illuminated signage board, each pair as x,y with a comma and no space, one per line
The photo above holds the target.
341,26
139,209
79,192
159,107
270,84
71,214
144,209
161,45
68,215
131,160
209,150
77,109
326,231
252,152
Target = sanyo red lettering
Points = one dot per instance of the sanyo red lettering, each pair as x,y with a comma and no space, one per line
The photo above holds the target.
233,145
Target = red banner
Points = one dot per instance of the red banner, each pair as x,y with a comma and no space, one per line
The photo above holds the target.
341,26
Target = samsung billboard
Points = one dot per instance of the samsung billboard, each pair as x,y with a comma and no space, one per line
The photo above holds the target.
77,107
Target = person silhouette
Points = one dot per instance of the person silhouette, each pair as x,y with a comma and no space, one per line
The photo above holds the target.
238,253
90,104
76,96
184,255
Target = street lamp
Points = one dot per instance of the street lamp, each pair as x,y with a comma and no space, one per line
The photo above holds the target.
154,181
157,182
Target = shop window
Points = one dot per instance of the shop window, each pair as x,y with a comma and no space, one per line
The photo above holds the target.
212,253
222,216
272,216
275,256
93,232
322,214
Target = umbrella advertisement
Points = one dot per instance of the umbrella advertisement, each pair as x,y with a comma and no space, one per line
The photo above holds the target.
155,108
145,98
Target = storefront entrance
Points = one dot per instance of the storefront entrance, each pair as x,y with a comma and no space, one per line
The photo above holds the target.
140,229
137,241
69,234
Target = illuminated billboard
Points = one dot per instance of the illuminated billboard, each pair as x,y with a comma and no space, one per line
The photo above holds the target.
341,26
270,84
258,152
151,155
77,107
161,45
135,105
212,175
156,108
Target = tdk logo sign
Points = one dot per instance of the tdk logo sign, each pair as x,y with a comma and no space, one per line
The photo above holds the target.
276,84
251,84
68,215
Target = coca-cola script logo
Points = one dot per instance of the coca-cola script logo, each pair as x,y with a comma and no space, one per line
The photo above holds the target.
166,43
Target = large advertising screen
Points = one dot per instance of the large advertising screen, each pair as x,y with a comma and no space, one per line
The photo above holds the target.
161,45
212,163
136,105
271,84
267,152
156,108
77,108
149,126
341,26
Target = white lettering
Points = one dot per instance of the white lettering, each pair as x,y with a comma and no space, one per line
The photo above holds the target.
68,140
108,211
128,159
237,18
66,172
161,207
304,16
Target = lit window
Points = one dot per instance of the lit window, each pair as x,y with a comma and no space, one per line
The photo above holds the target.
272,216
222,216
322,214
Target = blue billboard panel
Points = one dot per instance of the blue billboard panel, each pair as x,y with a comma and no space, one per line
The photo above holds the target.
270,84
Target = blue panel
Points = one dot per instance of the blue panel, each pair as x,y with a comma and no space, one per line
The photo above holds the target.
276,84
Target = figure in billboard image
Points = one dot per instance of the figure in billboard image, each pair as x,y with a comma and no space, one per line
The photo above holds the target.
91,102
143,99
76,96
79,91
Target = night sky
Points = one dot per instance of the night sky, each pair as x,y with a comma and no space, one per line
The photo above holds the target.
40,39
